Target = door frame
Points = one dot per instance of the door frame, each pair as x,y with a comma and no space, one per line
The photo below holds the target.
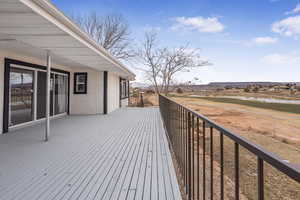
7,64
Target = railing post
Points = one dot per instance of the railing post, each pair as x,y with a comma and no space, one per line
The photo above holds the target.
48,87
260,178
237,170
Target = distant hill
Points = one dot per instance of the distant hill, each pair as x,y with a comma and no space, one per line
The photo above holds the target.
216,85
222,85
139,85
245,84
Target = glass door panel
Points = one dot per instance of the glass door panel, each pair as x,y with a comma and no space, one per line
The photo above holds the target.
21,96
61,94
52,91
41,95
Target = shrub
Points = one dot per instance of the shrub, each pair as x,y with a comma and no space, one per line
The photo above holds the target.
150,91
255,89
247,90
179,90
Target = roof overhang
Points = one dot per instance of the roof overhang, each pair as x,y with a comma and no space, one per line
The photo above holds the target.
37,26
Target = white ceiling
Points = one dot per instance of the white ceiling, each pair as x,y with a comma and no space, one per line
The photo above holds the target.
25,31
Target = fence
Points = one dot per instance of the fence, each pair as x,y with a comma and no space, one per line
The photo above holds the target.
188,133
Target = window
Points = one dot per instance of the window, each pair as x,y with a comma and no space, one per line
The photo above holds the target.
124,88
80,83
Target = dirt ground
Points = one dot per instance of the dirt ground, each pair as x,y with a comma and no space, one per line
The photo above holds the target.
254,123
278,132
265,127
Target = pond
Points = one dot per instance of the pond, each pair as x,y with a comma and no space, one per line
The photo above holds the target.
265,100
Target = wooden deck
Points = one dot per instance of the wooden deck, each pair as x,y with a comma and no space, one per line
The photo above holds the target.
123,155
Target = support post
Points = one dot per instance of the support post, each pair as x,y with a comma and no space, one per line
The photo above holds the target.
128,85
47,134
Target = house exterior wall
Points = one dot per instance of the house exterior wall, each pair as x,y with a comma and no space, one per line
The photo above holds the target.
113,92
80,104
92,102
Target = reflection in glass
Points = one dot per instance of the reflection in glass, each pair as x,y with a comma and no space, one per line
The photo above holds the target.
61,94
41,95
21,96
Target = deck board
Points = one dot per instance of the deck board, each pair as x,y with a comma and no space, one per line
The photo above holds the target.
123,155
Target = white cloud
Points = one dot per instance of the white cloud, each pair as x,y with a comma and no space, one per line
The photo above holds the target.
294,11
288,27
201,24
149,28
264,40
280,59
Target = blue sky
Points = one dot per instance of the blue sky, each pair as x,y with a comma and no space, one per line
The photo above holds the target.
246,40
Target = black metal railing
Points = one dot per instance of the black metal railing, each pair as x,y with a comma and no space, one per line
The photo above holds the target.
193,137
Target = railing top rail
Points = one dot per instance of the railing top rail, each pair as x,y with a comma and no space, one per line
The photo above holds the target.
291,170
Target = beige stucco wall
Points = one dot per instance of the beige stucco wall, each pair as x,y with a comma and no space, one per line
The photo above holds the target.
92,102
80,104
113,92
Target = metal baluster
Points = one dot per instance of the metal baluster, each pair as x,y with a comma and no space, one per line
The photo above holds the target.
189,158
204,177
222,165
211,164
183,142
193,156
236,166
198,160
260,178
186,151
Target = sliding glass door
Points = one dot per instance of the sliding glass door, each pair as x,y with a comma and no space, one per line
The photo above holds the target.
21,96
28,94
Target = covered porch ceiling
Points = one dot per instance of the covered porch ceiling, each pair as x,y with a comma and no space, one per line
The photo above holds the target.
33,26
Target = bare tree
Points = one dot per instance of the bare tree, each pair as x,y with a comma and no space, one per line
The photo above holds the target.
111,32
163,63
151,58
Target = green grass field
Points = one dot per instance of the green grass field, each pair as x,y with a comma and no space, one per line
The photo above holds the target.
291,108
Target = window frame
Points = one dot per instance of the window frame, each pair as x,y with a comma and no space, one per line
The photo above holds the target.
124,89
76,74
8,63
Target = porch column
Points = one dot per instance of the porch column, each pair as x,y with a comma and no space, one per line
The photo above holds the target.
48,96
128,90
